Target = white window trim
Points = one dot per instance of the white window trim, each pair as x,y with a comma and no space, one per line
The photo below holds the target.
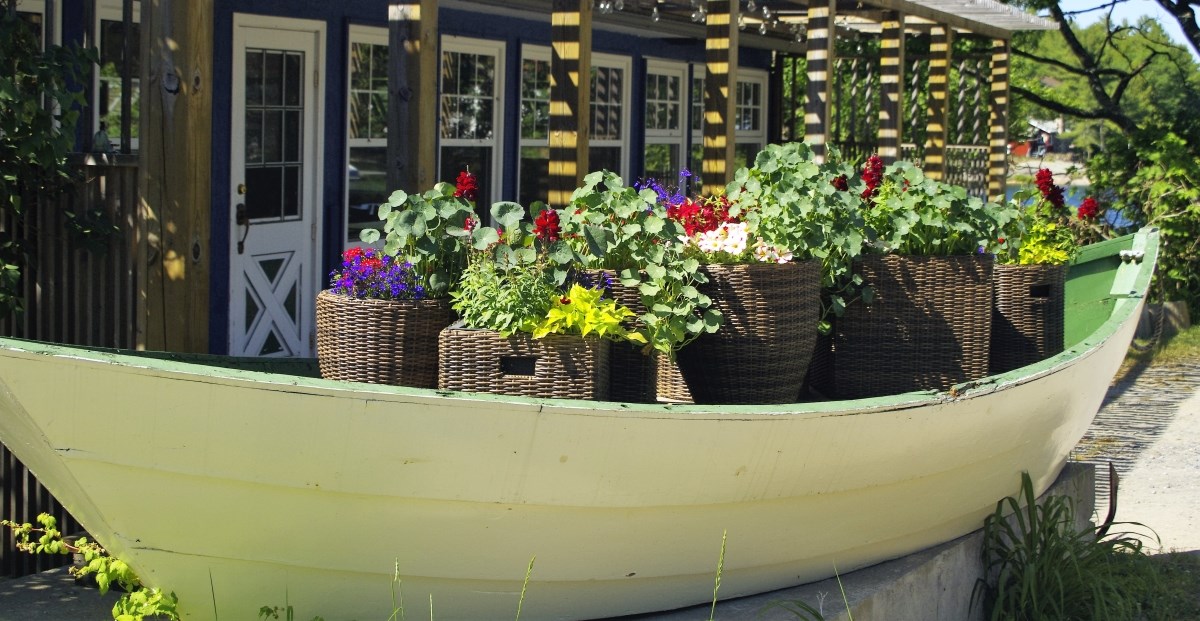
375,36
754,76
624,63
495,48
670,136
529,52
111,10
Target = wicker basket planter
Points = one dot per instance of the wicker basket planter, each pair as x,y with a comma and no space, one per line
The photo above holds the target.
928,328
632,373
1027,321
380,341
761,352
557,366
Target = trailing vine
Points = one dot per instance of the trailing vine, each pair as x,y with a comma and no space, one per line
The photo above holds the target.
138,601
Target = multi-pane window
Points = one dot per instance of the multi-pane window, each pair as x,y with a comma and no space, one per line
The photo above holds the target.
535,125
750,133
664,119
610,100
470,112
274,134
113,67
366,130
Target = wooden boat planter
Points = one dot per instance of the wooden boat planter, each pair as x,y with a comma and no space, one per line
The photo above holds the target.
624,505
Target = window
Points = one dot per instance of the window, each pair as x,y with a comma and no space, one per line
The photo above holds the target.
107,110
33,12
610,100
366,129
664,120
749,116
534,162
750,132
470,113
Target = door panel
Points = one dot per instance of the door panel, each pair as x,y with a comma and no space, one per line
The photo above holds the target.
275,182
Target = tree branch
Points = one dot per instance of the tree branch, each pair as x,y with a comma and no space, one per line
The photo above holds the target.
1067,110
1185,14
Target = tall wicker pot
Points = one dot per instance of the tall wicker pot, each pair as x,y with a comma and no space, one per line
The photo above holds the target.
380,341
632,373
1027,321
556,365
928,328
762,350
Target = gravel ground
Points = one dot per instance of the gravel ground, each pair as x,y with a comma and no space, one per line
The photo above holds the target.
1149,429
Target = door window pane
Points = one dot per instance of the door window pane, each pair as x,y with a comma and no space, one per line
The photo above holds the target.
274,142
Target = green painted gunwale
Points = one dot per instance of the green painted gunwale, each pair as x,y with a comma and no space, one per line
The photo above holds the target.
1102,292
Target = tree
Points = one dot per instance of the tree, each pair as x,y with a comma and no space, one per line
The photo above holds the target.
38,111
1134,91
1184,12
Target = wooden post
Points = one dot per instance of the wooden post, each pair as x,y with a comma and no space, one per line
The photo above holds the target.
720,82
412,95
126,76
819,101
941,49
174,184
570,96
891,80
998,122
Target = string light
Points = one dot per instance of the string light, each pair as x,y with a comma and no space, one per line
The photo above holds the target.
654,15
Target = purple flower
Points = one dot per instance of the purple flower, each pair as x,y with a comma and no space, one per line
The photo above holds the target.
366,274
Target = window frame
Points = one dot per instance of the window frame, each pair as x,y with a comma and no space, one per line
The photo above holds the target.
537,53
113,10
51,33
677,136
370,35
624,63
498,49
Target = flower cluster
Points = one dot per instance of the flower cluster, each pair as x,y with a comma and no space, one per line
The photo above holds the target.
466,186
546,227
701,215
1088,209
841,183
365,273
1051,192
767,253
872,175
729,237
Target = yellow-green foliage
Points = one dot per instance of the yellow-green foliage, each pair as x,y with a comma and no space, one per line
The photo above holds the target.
1046,243
583,311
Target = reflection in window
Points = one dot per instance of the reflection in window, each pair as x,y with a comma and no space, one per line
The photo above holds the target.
366,168
606,145
112,67
664,121
469,111
535,128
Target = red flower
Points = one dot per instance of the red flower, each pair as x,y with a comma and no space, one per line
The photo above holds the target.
352,253
1045,185
466,186
469,224
841,183
545,226
1001,240
700,216
1088,209
872,174
564,300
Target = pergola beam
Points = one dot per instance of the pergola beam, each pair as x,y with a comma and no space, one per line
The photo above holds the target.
998,121
570,96
891,81
941,49
720,82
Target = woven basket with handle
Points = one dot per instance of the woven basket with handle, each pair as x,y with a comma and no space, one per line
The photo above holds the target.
1027,321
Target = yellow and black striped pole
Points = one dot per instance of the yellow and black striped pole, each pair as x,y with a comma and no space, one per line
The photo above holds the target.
570,96
998,122
891,80
819,102
941,48
720,80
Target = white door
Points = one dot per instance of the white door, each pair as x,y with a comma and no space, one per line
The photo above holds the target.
275,185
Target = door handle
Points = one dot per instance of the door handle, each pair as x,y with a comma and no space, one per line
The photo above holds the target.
242,220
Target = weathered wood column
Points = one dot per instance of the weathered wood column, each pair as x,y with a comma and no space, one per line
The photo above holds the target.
891,80
412,95
998,122
570,96
819,100
174,184
941,49
720,95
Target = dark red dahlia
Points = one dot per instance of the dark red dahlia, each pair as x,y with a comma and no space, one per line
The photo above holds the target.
1045,185
545,226
1088,209
466,186
872,175
841,183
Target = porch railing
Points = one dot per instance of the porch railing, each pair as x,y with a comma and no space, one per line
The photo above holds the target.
79,289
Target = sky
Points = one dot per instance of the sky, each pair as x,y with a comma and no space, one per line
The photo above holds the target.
1129,11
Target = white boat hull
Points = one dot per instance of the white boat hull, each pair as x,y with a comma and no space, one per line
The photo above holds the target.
248,489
